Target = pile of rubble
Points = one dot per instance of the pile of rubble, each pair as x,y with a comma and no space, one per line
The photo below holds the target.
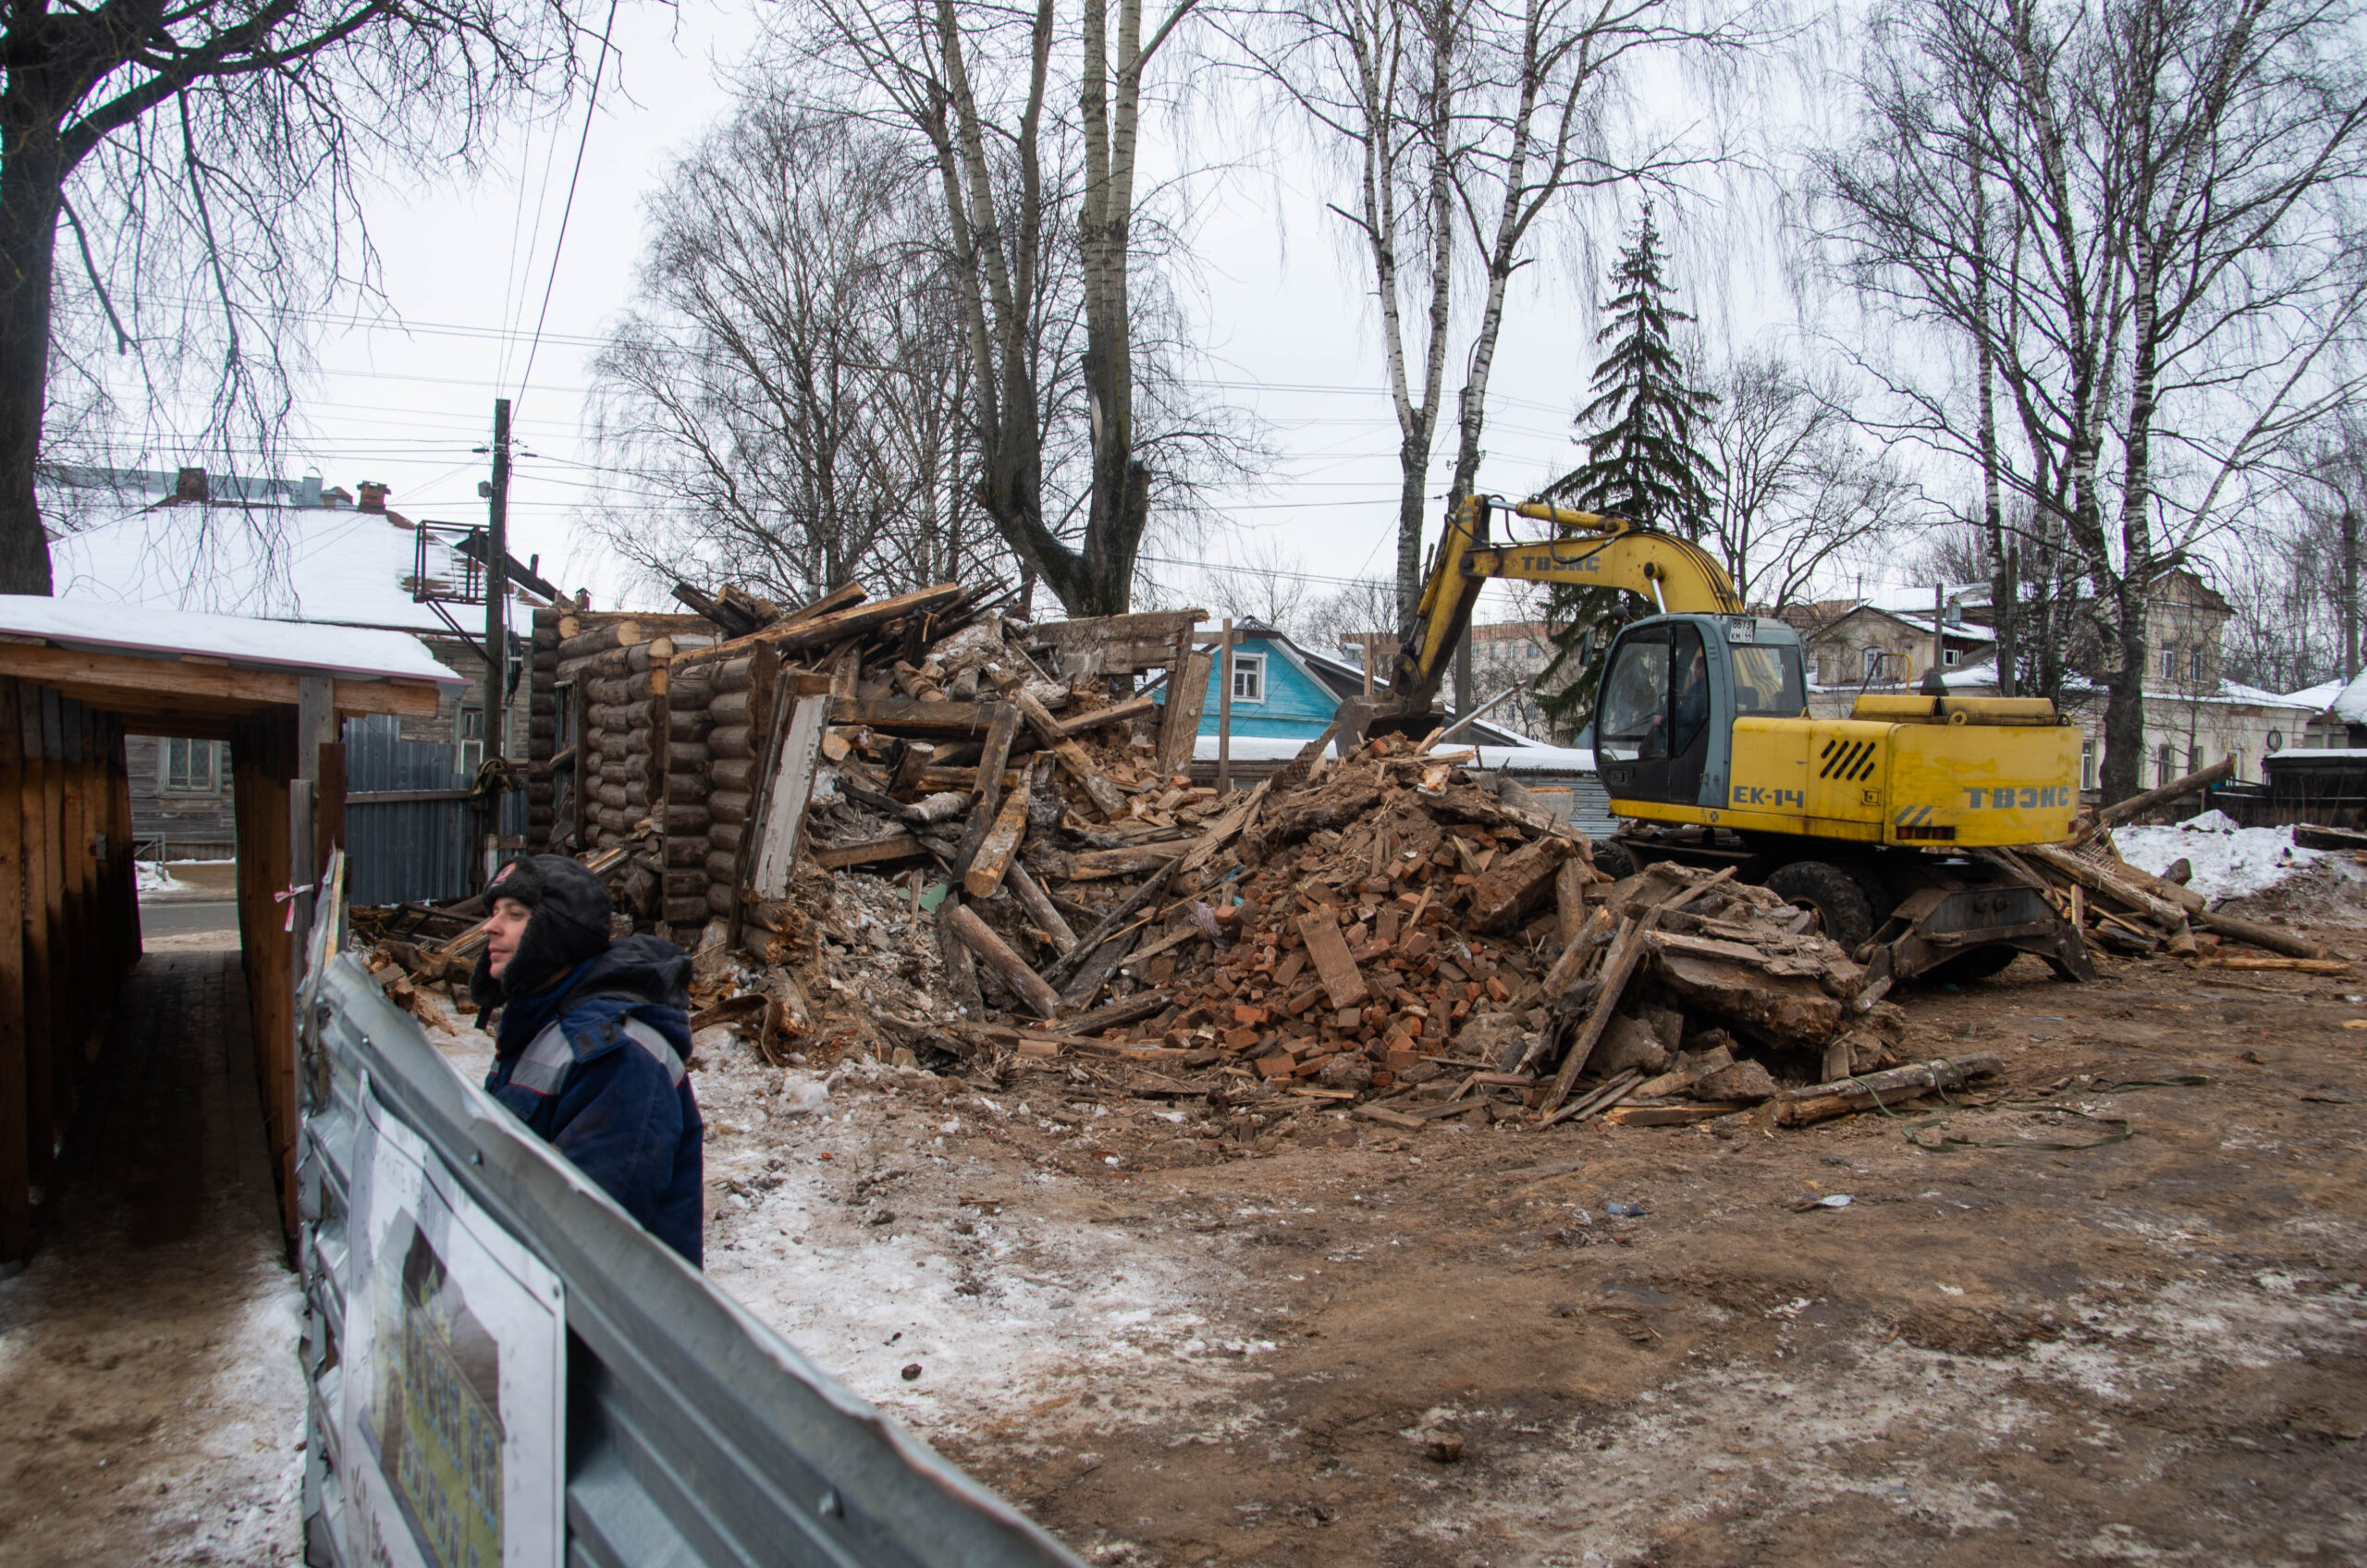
1387,932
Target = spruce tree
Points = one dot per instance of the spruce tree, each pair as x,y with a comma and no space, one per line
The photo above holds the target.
1641,463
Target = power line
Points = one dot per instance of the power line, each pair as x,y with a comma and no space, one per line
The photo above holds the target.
558,246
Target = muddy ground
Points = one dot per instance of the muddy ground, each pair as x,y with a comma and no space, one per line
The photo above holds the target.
1173,1349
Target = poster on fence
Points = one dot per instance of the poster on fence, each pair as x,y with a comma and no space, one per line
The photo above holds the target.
455,1358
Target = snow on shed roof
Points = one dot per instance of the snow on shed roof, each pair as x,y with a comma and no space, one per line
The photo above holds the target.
346,567
245,642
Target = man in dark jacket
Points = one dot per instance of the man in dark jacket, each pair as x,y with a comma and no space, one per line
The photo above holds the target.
594,1034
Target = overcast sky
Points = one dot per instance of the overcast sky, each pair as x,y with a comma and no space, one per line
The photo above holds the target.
1287,332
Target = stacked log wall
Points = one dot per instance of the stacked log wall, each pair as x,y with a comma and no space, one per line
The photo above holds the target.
542,728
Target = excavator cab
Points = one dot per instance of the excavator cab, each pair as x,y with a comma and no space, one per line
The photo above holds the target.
1672,689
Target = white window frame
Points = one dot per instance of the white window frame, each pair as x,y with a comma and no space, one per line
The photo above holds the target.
2194,664
2169,661
1948,656
1253,666
470,753
1876,663
2087,765
212,754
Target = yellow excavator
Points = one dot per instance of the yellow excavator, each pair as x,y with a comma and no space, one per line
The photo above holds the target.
1707,748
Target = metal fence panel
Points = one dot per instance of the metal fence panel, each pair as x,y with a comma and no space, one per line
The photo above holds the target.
417,851
694,1435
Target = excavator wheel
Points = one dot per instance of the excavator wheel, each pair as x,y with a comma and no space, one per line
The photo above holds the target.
1839,901
1612,859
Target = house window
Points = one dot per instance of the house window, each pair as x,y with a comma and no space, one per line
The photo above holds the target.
2194,664
1873,665
1248,678
2169,662
471,738
189,767
2163,762
2237,757
2087,765
1948,656
2194,759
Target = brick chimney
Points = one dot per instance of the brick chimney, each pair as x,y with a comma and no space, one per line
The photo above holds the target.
373,497
189,485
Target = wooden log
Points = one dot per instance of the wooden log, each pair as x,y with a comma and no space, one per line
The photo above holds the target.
1578,951
788,634
2295,965
616,634
737,774
616,745
731,707
2099,879
680,912
723,866
1116,713
689,884
894,846
1094,865
728,805
686,723
649,655
624,715
689,757
2162,888
2273,938
624,688
993,859
731,741
684,851
1343,981
1110,1016
1819,1102
1039,907
996,954
686,817
1096,970
721,900
726,835
1570,880
927,721
2193,783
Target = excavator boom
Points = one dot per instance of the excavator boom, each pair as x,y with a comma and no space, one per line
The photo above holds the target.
1590,549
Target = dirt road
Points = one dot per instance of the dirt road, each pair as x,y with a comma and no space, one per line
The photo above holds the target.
2149,1346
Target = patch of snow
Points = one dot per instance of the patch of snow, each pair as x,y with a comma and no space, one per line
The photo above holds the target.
2229,862
152,876
243,641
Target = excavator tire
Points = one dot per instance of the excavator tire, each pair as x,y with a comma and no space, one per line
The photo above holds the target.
1612,858
1839,901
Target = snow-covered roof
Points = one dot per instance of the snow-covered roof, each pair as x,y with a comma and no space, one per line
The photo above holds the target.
345,568
2318,698
2349,705
99,626
1527,757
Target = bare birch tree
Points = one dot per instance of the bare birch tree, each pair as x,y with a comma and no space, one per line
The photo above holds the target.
2140,214
1041,210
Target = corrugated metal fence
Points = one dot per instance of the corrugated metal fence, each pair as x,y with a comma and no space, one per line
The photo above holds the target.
416,850
689,1434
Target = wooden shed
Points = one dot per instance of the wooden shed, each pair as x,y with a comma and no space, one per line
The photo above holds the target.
75,678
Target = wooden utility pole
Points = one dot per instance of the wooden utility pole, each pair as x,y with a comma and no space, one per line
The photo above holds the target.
1224,709
497,612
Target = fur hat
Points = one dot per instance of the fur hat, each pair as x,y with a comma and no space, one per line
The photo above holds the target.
569,924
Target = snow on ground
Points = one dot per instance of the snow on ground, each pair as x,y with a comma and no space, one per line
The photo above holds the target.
888,1229
2229,862
152,876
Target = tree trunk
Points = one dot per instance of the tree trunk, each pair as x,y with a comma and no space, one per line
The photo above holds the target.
31,176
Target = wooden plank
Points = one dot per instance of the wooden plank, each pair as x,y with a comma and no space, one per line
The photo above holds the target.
1116,713
895,846
112,680
787,635
1039,907
1107,797
793,784
1626,952
918,720
1570,898
1187,694
1095,865
996,954
1116,644
1795,1108
991,763
984,875
1343,981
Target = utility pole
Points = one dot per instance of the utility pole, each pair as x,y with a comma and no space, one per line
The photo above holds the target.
496,618
496,581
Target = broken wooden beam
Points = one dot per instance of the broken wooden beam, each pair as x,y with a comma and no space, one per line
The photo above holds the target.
1116,713
997,955
838,857
2273,938
1328,949
1821,1102
985,875
788,634
1039,907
